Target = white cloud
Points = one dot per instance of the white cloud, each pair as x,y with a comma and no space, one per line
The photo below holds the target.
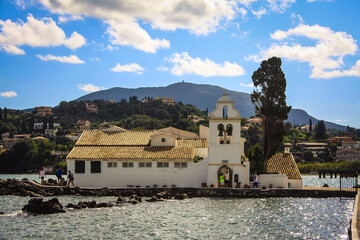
94,59
68,18
325,57
125,17
8,94
163,69
133,67
319,0
131,34
89,87
185,64
341,120
35,33
250,85
64,59
279,5
296,19
258,14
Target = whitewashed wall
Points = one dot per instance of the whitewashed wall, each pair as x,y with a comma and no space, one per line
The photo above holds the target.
193,176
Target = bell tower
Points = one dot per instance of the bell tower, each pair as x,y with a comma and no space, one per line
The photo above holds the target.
226,147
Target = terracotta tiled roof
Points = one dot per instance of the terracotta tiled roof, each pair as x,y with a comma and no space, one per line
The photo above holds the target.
284,164
181,134
115,152
126,138
196,143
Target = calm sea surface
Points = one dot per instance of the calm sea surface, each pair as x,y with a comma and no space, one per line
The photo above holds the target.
197,218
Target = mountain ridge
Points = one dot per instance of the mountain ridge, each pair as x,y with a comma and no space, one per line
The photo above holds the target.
203,96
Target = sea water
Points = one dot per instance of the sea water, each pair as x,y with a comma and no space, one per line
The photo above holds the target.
196,218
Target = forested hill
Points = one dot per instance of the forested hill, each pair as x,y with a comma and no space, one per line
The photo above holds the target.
203,96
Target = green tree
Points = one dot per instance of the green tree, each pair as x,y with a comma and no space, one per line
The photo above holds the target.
308,155
254,153
310,125
5,114
270,103
320,130
23,127
1,115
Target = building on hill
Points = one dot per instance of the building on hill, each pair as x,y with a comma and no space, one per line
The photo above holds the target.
315,147
348,154
51,132
306,128
83,124
43,111
194,118
339,140
281,171
254,122
169,157
91,107
351,144
166,100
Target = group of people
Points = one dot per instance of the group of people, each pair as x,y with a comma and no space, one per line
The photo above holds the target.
70,177
225,180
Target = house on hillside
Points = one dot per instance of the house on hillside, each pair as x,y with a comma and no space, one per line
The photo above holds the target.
254,122
43,111
91,107
166,100
116,157
348,154
83,124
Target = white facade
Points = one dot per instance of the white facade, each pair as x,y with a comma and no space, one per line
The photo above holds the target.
279,181
160,158
226,147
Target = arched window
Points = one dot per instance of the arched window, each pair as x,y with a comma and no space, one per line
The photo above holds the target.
225,112
229,129
220,128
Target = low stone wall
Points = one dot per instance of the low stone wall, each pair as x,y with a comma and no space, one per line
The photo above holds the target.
28,188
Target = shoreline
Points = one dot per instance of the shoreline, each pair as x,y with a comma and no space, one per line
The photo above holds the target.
29,188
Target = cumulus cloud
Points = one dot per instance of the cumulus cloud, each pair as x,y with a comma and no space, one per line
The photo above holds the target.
8,94
132,67
35,33
185,64
64,59
325,57
125,17
131,34
89,87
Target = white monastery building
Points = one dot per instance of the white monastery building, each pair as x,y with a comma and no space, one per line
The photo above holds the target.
169,157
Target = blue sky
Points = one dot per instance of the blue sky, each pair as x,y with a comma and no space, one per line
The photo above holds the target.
54,50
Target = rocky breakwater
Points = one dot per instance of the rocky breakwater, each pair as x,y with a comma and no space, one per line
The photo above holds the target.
37,206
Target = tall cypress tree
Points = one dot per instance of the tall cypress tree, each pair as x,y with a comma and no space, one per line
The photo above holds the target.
23,127
1,115
310,125
5,114
269,100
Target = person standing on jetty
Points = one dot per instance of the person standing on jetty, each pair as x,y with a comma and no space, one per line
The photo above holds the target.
42,175
227,178
59,176
222,180
70,179
256,180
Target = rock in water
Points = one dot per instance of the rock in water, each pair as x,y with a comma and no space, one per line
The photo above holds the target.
181,196
38,206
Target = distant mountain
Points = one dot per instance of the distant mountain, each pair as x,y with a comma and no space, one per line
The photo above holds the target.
203,96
